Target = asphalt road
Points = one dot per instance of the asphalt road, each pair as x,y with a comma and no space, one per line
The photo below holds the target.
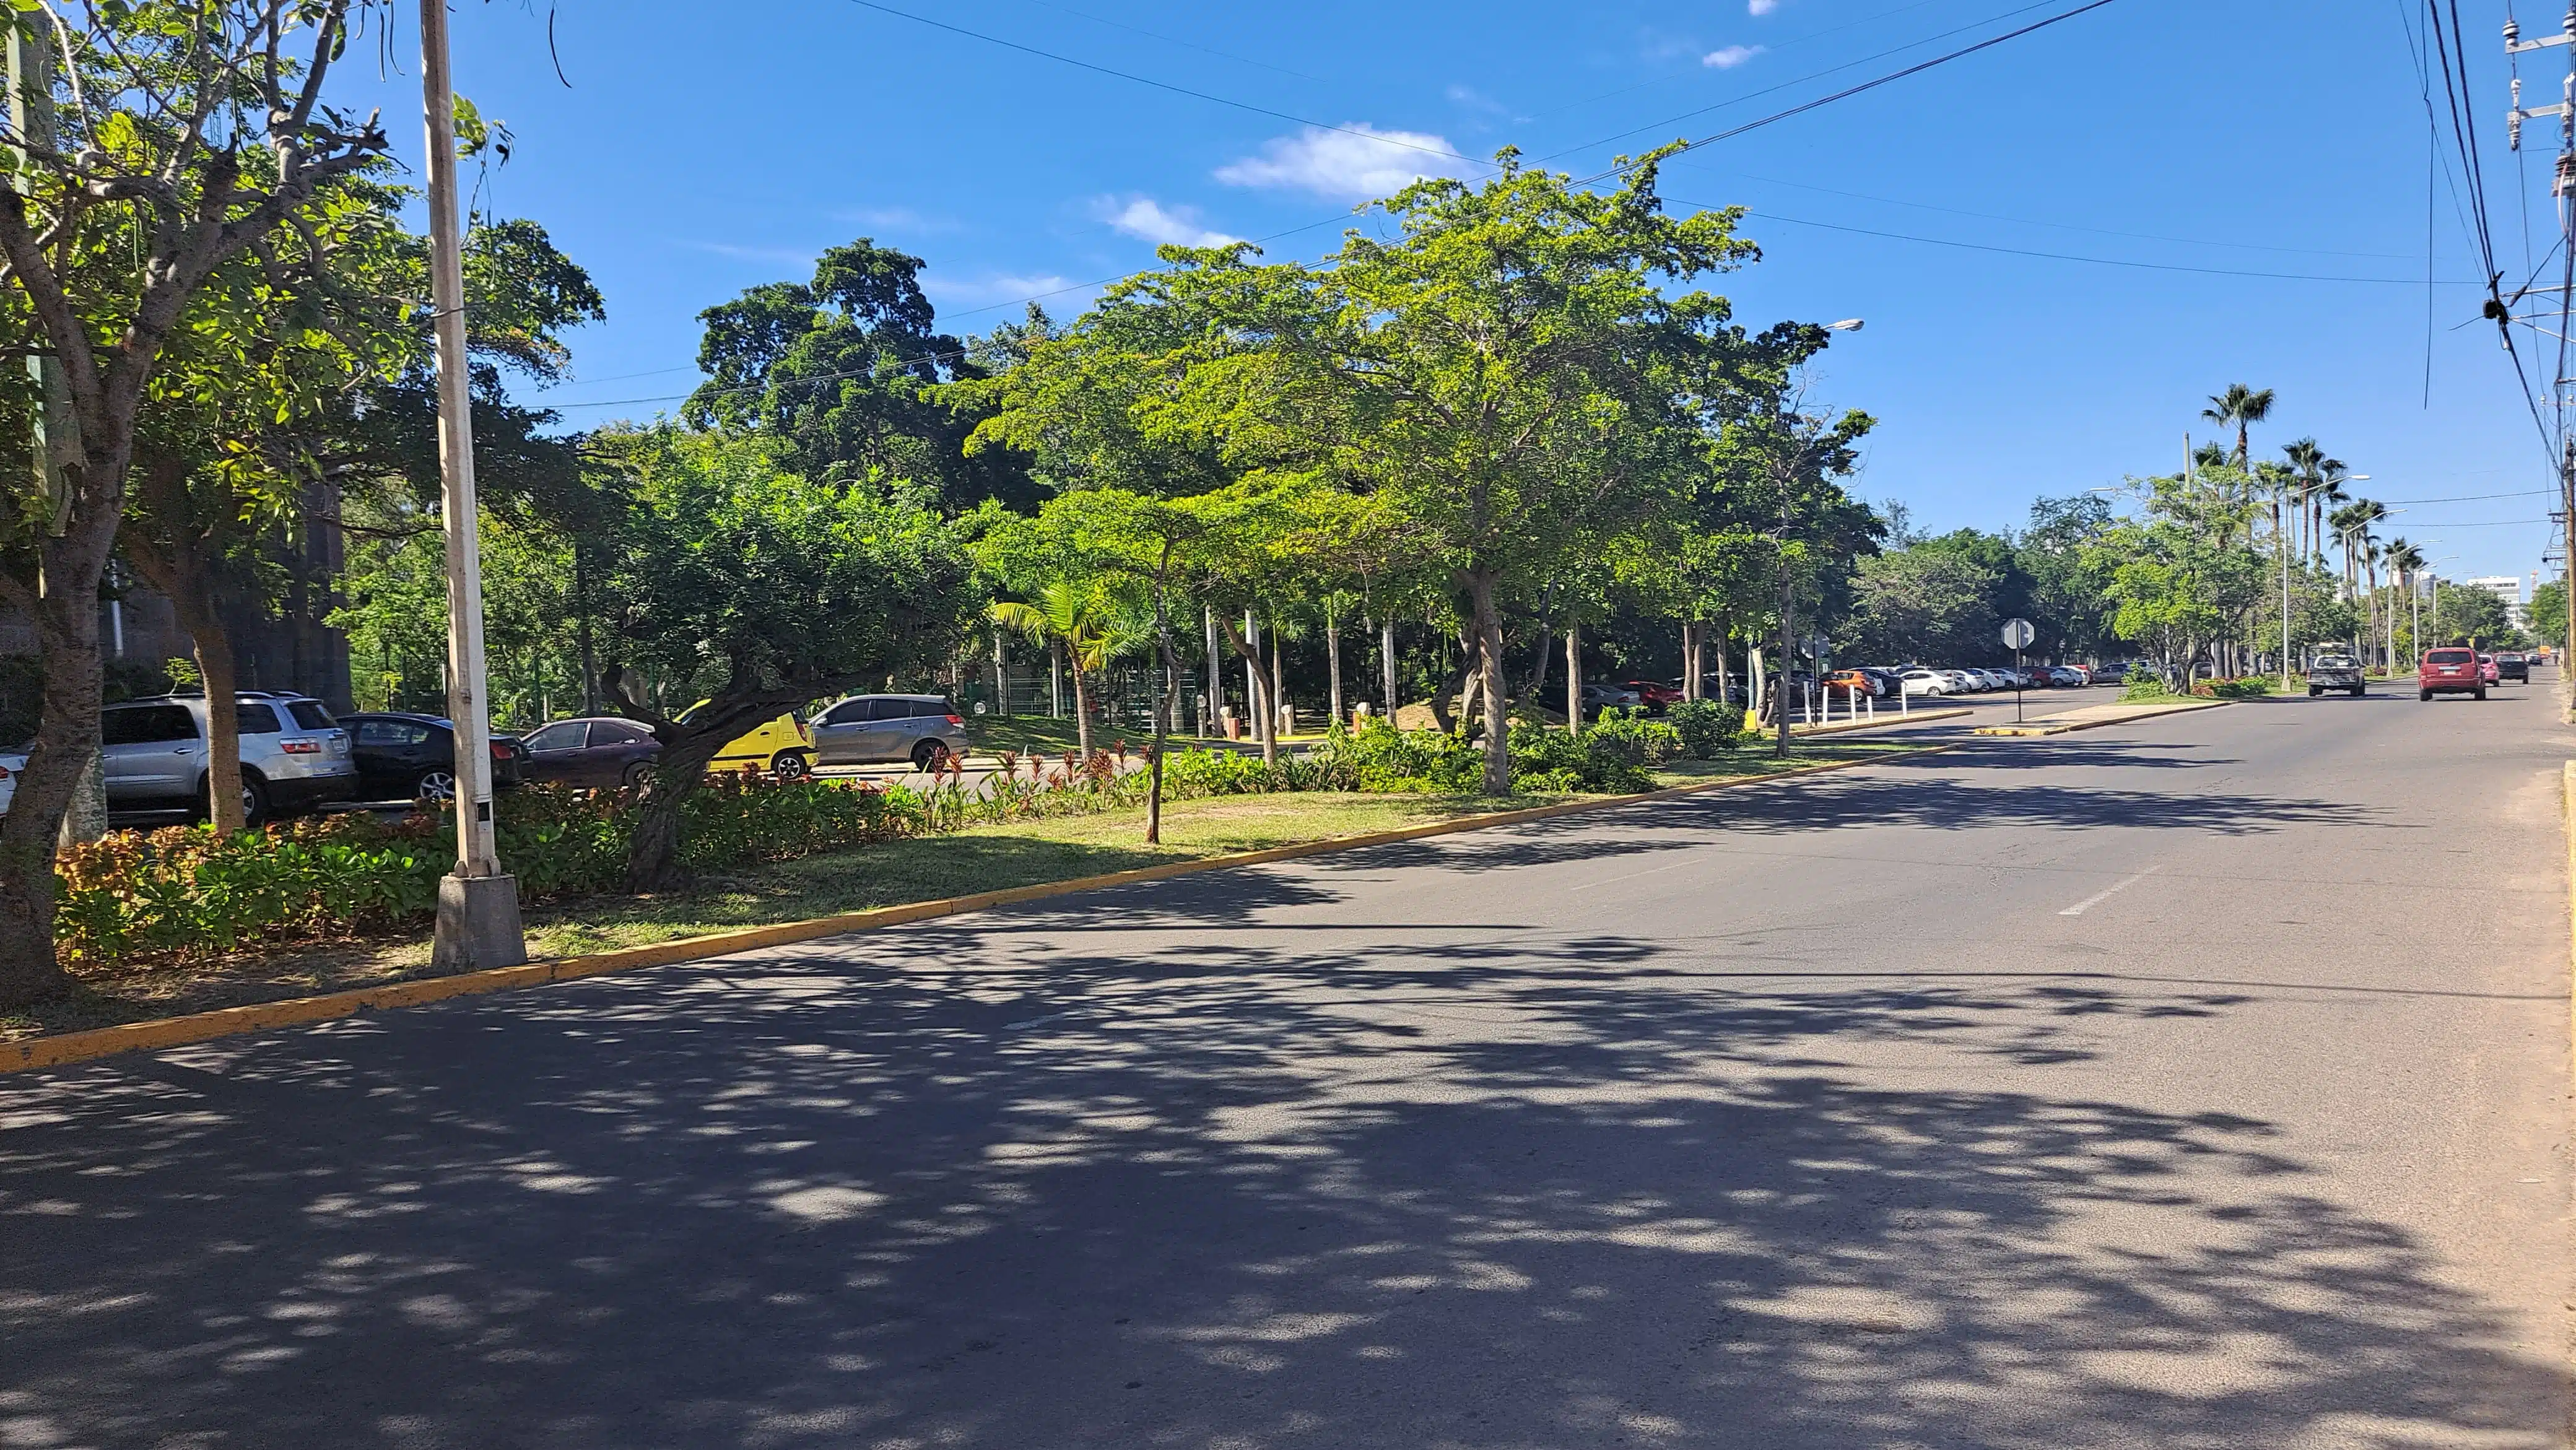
2198,1083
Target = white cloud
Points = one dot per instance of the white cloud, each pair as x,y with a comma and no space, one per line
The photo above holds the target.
1148,220
1760,7
1729,57
1342,165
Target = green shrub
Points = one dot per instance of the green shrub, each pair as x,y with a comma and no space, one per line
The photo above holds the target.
1635,738
2144,684
2248,687
1706,727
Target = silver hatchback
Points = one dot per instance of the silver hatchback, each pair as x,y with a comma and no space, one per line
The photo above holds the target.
865,729
294,755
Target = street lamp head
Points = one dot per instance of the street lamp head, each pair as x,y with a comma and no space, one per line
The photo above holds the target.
1848,324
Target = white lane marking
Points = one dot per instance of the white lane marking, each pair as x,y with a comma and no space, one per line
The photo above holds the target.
2107,892
1633,875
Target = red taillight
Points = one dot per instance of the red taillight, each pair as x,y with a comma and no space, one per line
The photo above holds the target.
500,751
959,720
300,747
4,772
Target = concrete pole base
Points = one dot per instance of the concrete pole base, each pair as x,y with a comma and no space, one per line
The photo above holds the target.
478,924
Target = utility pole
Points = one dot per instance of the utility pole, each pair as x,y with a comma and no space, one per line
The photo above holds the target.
2562,188
478,906
55,443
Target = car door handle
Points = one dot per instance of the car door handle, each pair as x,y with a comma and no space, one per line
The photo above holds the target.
185,750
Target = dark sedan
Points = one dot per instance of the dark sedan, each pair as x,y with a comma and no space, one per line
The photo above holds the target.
402,756
600,751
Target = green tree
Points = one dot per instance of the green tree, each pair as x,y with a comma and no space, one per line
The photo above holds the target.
2463,615
759,590
1924,604
1507,372
845,372
1083,618
192,133
2546,613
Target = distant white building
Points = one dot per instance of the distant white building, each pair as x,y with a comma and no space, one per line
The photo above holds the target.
2508,588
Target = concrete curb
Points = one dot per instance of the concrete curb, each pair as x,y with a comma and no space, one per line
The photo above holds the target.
1802,732
166,1032
2063,727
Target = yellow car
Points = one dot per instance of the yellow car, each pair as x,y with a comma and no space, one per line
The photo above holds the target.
780,746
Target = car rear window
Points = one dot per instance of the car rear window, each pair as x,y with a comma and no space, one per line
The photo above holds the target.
255,719
310,715
2449,656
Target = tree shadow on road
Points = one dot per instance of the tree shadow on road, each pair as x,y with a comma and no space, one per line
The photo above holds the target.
964,1187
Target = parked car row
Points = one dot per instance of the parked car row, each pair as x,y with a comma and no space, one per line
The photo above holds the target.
295,756
1927,680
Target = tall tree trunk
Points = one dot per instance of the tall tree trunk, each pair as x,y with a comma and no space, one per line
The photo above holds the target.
1386,663
1534,691
1278,682
1333,666
1691,660
1082,707
1265,719
66,734
1788,660
1573,679
1169,706
653,855
176,561
1489,650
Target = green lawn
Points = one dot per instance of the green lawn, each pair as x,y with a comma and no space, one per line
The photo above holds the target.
986,858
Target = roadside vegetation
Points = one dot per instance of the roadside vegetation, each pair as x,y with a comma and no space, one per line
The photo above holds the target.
1502,446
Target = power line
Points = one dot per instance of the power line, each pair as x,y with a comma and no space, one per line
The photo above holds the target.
1167,85
2095,261
2073,227
1870,85
2475,497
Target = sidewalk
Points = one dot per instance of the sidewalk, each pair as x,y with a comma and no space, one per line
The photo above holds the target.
2093,717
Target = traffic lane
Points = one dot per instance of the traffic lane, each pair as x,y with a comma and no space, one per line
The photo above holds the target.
1388,1148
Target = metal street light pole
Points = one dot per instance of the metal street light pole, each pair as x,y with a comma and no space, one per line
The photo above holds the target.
478,906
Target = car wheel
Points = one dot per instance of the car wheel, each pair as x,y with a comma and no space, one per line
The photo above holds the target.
2360,690
2315,690
790,765
255,807
434,788
2481,694
2423,694
635,775
929,755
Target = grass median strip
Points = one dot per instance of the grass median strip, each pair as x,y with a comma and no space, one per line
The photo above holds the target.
900,873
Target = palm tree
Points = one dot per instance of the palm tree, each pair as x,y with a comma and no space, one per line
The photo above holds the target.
2307,463
2403,560
1081,618
2321,501
2240,407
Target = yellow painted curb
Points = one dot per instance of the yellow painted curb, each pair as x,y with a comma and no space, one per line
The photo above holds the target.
2063,727
167,1032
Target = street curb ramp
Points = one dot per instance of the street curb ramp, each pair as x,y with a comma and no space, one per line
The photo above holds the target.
67,1048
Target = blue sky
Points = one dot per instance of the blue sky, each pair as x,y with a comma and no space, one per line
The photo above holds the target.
703,148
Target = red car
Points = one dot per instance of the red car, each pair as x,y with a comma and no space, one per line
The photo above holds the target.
2453,671
1657,697
2489,669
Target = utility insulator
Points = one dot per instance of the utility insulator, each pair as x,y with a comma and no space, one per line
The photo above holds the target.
2512,32
2566,182
2513,118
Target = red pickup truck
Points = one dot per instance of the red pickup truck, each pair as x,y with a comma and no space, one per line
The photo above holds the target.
2450,672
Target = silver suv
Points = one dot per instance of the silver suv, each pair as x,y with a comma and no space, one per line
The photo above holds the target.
865,728
294,755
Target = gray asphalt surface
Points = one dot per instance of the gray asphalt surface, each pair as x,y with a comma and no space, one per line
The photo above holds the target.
2195,1083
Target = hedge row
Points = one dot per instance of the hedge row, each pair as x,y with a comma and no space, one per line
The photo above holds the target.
185,891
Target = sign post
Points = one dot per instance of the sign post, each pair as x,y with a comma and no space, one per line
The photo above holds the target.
2018,634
